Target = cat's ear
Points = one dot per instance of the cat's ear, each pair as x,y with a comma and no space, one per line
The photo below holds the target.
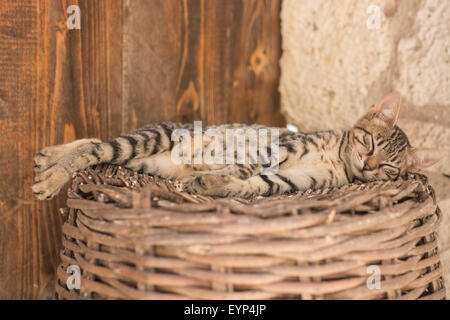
385,112
422,158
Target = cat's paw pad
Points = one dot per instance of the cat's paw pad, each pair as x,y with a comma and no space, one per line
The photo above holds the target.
49,182
46,157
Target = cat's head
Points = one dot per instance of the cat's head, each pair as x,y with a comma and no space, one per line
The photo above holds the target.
380,150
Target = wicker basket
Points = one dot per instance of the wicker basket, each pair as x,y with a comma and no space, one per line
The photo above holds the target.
135,237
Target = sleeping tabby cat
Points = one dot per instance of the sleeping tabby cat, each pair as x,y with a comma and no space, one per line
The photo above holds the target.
373,149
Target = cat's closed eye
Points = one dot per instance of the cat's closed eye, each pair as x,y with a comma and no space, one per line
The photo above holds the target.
364,139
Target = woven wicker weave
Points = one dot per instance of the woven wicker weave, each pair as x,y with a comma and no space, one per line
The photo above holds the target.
159,243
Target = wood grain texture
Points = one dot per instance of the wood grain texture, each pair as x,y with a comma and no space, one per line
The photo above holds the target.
133,62
26,234
57,85
215,61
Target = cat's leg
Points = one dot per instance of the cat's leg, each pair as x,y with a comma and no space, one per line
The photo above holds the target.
238,171
229,186
142,143
245,181
63,161
161,165
49,155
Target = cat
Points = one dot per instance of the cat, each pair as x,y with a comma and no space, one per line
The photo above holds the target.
375,148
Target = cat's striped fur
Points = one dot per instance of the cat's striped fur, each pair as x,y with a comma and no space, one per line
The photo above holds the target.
374,149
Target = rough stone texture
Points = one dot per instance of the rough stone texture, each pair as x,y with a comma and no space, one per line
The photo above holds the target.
330,62
333,67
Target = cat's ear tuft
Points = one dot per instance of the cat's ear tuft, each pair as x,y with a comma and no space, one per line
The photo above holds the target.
422,158
385,112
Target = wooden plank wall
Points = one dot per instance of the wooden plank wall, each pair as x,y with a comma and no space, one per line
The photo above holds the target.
132,62
210,60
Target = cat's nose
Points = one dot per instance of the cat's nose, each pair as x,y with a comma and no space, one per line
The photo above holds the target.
370,164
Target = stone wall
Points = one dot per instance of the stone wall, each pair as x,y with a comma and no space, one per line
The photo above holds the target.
340,57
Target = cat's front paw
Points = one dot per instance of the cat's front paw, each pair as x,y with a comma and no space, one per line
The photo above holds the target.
49,182
47,156
208,184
